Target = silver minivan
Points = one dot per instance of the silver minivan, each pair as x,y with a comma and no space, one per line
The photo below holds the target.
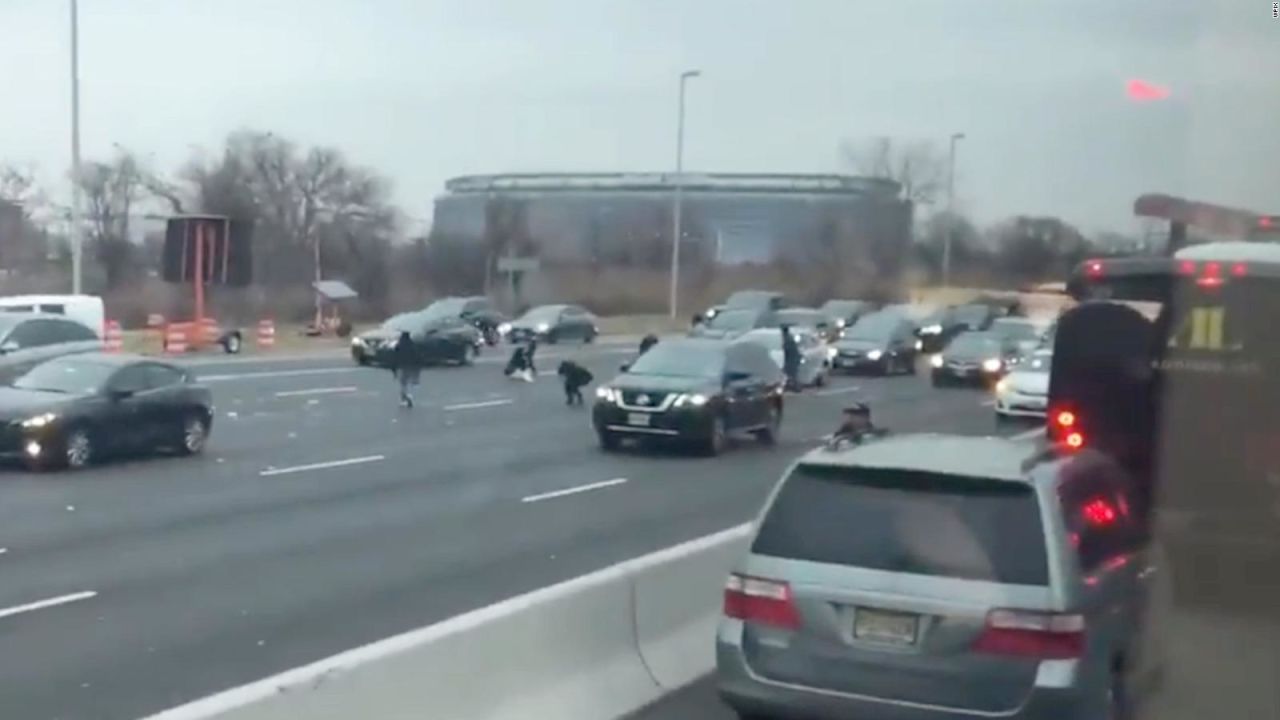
941,577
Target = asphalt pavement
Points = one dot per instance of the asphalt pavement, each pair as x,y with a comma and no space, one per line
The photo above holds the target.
323,517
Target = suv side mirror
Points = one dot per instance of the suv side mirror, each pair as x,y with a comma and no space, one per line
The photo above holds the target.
119,393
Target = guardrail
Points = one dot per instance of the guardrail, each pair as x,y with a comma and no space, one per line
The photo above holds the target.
598,646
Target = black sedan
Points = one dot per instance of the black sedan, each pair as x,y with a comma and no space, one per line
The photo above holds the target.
476,310
692,390
437,338
844,313
553,323
973,358
70,411
937,330
879,342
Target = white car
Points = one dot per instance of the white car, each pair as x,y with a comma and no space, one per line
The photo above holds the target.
1024,392
815,353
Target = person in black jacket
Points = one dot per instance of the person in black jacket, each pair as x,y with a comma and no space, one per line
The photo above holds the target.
790,358
855,427
647,342
405,366
575,377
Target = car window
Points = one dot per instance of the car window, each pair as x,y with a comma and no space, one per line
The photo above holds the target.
35,333
129,379
161,376
1098,516
69,331
907,521
476,306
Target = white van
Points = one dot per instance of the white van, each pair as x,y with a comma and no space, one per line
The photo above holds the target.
88,310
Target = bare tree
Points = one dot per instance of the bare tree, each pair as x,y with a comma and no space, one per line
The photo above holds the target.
919,167
110,191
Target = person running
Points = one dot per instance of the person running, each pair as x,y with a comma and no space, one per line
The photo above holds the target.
406,368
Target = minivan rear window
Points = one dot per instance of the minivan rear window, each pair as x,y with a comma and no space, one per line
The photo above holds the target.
907,521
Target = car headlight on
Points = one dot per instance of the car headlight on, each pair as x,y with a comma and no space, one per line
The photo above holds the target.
992,365
606,394
39,421
504,328
875,355
919,345
931,330
936,361
543,327
357,342
832,353
1002,387
694,399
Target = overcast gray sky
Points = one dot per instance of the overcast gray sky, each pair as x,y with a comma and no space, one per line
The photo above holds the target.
426,89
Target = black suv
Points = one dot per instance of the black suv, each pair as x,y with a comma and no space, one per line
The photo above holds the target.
694,390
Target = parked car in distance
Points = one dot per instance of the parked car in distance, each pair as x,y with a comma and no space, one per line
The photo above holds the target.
28,339
815,353
553,323
931,576
882,342
692,391
438,338
72,410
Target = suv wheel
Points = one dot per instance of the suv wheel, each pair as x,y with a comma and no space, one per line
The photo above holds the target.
716,438
773,427
231,345
194,434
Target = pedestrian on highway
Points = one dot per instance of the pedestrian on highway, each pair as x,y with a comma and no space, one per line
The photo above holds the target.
855,427
575,377
647,342
405,366
520,365
790,359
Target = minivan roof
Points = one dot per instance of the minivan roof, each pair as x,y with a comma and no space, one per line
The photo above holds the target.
956,455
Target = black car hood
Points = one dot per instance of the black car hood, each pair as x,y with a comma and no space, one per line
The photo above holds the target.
18,404
379,334
663,383
861,345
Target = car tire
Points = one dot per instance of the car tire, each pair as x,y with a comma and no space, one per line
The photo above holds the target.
609,442
193,434
232,344
773,427
716,439
77,449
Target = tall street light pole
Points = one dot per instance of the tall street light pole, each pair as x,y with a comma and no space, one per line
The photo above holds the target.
77,233
678,203
951,205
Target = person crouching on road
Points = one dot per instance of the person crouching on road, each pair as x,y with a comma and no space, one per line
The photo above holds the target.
790,359
405,366
855,427
520,366
575,377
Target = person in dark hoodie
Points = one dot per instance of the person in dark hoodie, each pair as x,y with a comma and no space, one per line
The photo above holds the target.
790,359
575,377
647,342
405,366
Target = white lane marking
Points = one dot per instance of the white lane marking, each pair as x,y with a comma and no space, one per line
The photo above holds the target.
838,391
276,373
573,490
308,676
321,465
1028,434
47,603
317,391
482,404
3,550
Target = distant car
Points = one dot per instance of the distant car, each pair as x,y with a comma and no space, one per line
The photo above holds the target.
879,342
438,338
939,328
763,300
476,310
693,391
973,358
844,313
553,323
731,324
926,577
815,353
810,319
28,339
1018,335
73,410
1024,392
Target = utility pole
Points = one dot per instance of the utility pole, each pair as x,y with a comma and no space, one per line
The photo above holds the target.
951,205
678,202
77,229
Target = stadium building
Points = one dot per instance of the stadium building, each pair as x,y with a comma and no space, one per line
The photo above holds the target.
729,219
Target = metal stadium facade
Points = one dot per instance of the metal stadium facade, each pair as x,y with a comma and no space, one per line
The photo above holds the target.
731,218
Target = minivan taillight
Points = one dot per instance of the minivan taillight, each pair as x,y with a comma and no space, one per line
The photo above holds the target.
1030,634
757,600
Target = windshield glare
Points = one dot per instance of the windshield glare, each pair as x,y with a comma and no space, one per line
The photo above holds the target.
973,343
677,359
74,377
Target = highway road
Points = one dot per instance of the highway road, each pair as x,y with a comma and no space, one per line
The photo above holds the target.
323,517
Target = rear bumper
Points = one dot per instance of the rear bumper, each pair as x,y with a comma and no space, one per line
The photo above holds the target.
749,694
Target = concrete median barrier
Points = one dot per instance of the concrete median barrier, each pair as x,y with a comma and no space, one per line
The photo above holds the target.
597,646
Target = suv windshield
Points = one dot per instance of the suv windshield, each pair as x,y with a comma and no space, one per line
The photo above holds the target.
909,522
681,359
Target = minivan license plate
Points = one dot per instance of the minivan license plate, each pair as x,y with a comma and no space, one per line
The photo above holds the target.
885,627
638,419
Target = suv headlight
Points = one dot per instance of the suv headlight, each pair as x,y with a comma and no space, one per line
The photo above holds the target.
543,327
992,365
39,421
694,399
607,394
357,342
931,330
875,355
936,361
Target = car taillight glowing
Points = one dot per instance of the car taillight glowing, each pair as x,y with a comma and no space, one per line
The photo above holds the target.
1025,633
1187,267
1065,419
761,601
1239,269
1093,267
1062,428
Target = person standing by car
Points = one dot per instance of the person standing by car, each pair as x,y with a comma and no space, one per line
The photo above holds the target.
790,358
405,366
647,342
